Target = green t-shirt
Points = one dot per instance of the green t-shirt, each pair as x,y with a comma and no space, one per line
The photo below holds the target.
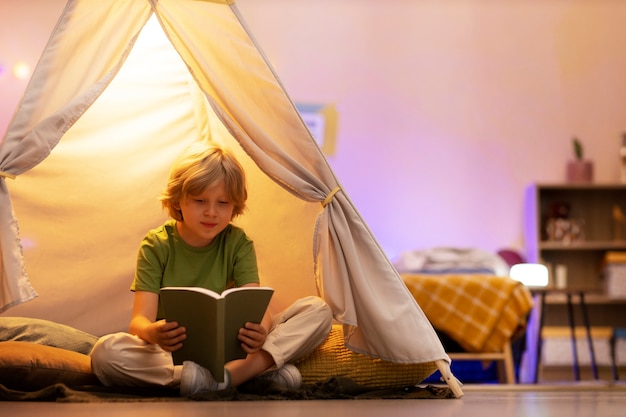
165,260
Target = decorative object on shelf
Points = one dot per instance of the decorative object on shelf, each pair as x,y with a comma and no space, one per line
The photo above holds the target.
618,222
560,228
559,209
565,230
579,169
614,274
560,276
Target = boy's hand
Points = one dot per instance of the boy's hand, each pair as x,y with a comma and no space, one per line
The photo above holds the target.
252,337
168,335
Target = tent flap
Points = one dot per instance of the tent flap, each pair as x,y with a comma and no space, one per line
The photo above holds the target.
15,287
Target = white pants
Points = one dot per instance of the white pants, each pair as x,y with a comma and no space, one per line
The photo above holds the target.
122,359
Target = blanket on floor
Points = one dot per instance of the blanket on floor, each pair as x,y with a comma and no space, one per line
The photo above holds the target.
35,354
331,389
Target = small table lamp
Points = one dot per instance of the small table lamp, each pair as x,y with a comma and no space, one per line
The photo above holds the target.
531,275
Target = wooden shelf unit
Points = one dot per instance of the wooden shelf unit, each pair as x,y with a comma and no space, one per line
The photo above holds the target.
591,203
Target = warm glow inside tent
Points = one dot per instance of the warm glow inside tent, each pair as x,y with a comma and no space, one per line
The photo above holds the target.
121,88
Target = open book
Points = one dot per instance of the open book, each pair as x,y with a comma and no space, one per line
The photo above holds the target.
213,321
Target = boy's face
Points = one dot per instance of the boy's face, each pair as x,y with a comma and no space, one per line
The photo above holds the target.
205,215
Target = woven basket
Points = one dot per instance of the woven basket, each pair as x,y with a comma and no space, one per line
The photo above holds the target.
332,358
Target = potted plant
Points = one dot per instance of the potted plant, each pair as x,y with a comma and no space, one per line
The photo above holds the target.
579,169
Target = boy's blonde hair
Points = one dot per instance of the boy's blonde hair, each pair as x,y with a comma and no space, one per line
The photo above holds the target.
198,167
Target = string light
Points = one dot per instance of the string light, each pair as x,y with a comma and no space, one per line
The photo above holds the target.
21,70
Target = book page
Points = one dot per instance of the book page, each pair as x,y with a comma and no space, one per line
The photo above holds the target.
195,289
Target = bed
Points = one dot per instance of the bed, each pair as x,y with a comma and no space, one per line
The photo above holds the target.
471,302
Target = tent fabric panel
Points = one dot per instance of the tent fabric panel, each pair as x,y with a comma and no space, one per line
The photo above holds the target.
371,296
241,84
70,75
53,101
15,286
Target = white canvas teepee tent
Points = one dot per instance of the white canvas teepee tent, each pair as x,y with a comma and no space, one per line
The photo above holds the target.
121,88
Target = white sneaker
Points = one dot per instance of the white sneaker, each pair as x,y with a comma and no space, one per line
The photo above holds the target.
194,379
288,376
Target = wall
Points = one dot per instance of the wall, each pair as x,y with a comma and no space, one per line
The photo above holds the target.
447,109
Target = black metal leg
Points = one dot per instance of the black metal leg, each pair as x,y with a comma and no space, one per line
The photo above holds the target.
592,353
570,310
613,356
539,343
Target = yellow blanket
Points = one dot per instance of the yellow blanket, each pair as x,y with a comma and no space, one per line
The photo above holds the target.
480,312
